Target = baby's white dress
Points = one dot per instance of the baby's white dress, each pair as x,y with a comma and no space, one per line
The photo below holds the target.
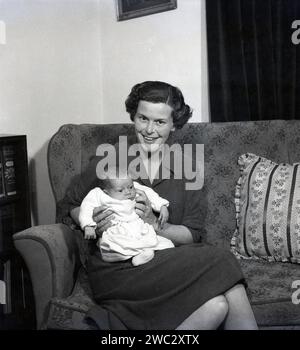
129,235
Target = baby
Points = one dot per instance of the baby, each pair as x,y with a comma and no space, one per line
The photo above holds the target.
130,236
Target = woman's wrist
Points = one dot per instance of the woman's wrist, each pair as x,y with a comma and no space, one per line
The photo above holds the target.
156,225
158,228
150,218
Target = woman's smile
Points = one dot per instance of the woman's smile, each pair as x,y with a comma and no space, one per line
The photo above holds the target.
148,139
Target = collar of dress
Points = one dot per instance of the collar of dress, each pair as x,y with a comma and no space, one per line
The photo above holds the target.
169,167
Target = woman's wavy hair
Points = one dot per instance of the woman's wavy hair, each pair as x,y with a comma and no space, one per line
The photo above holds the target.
156,92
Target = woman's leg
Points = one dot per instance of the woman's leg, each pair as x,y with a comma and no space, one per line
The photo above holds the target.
240,314
209,316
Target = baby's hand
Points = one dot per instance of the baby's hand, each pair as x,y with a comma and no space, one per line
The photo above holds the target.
90,232
163,216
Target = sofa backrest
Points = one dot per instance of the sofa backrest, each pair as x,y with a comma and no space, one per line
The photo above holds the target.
73,145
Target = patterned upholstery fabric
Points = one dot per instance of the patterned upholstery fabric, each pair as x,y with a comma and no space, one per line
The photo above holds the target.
269,283
270,291
70,313
267,209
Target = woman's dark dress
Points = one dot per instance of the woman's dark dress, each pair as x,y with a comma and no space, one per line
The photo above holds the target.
162,293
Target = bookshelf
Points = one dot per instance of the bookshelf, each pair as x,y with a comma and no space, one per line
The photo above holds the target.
16,296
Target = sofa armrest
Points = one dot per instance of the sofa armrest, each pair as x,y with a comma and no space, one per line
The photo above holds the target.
51,255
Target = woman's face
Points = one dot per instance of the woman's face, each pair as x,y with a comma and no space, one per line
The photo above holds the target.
153,124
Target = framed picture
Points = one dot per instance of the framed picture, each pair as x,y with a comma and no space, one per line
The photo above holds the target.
127,9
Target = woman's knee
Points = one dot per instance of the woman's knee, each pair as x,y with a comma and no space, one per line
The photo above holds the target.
237,289
219,306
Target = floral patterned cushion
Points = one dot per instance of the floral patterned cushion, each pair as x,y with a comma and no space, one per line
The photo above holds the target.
267,210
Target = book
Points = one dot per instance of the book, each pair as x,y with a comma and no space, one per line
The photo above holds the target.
7,309
7,226
23,288
2,288
8,156
2,189
1,238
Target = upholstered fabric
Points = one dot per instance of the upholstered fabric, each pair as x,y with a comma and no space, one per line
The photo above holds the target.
70,313
267,210
270,291
51,255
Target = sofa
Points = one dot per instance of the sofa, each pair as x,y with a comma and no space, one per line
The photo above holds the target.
52,252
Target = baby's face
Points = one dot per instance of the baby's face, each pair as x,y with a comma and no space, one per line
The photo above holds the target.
121,189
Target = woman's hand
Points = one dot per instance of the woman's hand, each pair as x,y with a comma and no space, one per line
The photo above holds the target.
163,216
144,210
102,216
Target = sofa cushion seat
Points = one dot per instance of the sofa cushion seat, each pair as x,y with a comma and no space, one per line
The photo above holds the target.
70,313
270,291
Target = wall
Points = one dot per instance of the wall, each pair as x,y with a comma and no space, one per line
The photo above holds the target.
168,46
70,61
50,75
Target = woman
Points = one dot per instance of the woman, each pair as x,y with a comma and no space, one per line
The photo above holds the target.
190,287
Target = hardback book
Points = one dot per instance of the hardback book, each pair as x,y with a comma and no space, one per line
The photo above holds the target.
2,189
2,289
10,185
7,226
7,309
1,239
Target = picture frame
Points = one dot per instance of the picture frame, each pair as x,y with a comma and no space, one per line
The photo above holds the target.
128,9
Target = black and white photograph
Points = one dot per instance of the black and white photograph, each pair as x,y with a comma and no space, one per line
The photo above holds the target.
149,169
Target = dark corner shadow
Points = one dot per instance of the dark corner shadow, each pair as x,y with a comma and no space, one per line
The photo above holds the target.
39,160
33,190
